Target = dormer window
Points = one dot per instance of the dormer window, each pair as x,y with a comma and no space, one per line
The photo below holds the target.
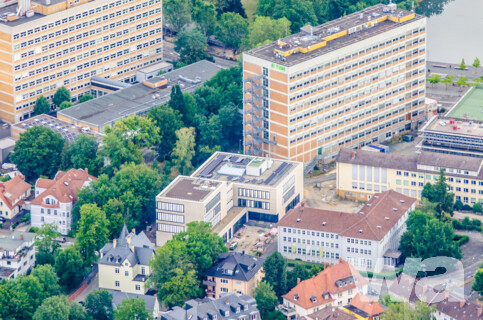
296,297
313,299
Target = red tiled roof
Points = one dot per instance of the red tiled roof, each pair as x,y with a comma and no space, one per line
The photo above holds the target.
372,308
324,284
13,189
373,221
330,313
63,187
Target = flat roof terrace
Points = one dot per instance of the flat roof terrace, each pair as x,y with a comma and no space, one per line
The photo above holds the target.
470,107
456,127
187,188
315,41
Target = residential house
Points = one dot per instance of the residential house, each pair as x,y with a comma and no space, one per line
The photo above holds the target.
55,198
364,309
17,254
368,239
234,272
152,304
330,313
12,196
335,286
230,306
124,264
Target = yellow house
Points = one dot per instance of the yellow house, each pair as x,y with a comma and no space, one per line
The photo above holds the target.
234,272
124,264
362,308
12,196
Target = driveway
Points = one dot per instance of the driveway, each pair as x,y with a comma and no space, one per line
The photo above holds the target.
472,259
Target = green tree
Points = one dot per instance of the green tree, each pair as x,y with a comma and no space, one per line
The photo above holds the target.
315,270
298,12
275,268
168,121
77,312
171,256
403,311
190,109
82,154
65,105
231,125
38,152
120,152
438,193
32,288
92,233
41,106
478,281
192,46
139,131
99,305
86,97
477,208
462,81
204,15
184,150
62,94
299,272
210,131
180,288
264,30
14,304
234,6
266,298
132,309
462,64
448,80
53,308
435,78
202,244
46,244
48,279
232,28
177,14
70,268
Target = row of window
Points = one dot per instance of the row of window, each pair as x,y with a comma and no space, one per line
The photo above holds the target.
170,217
314,242
246,203
118,284
313,233
82,16
49,211
169,206
357,250
315,253
170,228
251,193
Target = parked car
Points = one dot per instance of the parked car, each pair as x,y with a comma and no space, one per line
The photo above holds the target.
2,219
233,245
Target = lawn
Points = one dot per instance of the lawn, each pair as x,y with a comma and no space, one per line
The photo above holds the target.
250,7
471,107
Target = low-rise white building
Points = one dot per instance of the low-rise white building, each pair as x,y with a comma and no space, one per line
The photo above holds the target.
369,239
55,198
17,254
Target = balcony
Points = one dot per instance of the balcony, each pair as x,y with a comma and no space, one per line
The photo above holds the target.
289,312
209,283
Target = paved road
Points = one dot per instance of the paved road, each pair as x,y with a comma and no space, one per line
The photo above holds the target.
453,69
322,178
271,248
472,259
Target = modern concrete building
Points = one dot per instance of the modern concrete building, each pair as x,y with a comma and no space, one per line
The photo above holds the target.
12,196
453,136
6,147
369,239
360,174
227,190
124,264
346,83
233,272
138,98
229,306
46,44
55,198
17,254
335,286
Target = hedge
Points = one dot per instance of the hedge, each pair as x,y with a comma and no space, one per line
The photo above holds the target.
461,239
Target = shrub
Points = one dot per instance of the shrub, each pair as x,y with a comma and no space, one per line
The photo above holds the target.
458,205
467,207
477,208
34,229
461,239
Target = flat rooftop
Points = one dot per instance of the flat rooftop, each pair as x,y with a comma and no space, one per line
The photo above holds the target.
139,98
233,167
187,188
456,127
12,8
67,130
315,41
470,107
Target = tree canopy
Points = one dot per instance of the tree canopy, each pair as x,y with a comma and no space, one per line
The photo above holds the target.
70,267
232,28
184,150
192,46
275,268
93,232
438,193
132,309
168,121
46,244
82,154
177,14
53,308
62,94
98,305
38,152
41,106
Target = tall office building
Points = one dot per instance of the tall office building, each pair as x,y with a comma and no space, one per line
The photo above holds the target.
346,83
47,44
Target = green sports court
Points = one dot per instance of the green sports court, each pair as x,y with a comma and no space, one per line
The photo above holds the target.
471,107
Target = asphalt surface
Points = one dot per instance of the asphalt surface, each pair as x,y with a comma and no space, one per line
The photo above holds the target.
472,259
453,69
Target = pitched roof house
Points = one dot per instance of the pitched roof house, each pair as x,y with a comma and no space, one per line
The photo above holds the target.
12,196
124,264
234,272
335,286
55,198
364,308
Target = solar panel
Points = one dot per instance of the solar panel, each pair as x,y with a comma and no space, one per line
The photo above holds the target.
212,166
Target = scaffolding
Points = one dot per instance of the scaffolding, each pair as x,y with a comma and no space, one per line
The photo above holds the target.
253,116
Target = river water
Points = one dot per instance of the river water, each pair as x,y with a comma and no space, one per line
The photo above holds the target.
455,30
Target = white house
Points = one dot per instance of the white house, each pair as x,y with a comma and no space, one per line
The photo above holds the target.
55,198
369,239
17,254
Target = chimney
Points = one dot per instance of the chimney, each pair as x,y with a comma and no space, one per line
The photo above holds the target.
479,311
114,243
128,239
21,236
298,280
227,301
132,248
133,230
86,170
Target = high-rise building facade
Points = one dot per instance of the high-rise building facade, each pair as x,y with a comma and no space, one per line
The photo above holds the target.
346,83
47,44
